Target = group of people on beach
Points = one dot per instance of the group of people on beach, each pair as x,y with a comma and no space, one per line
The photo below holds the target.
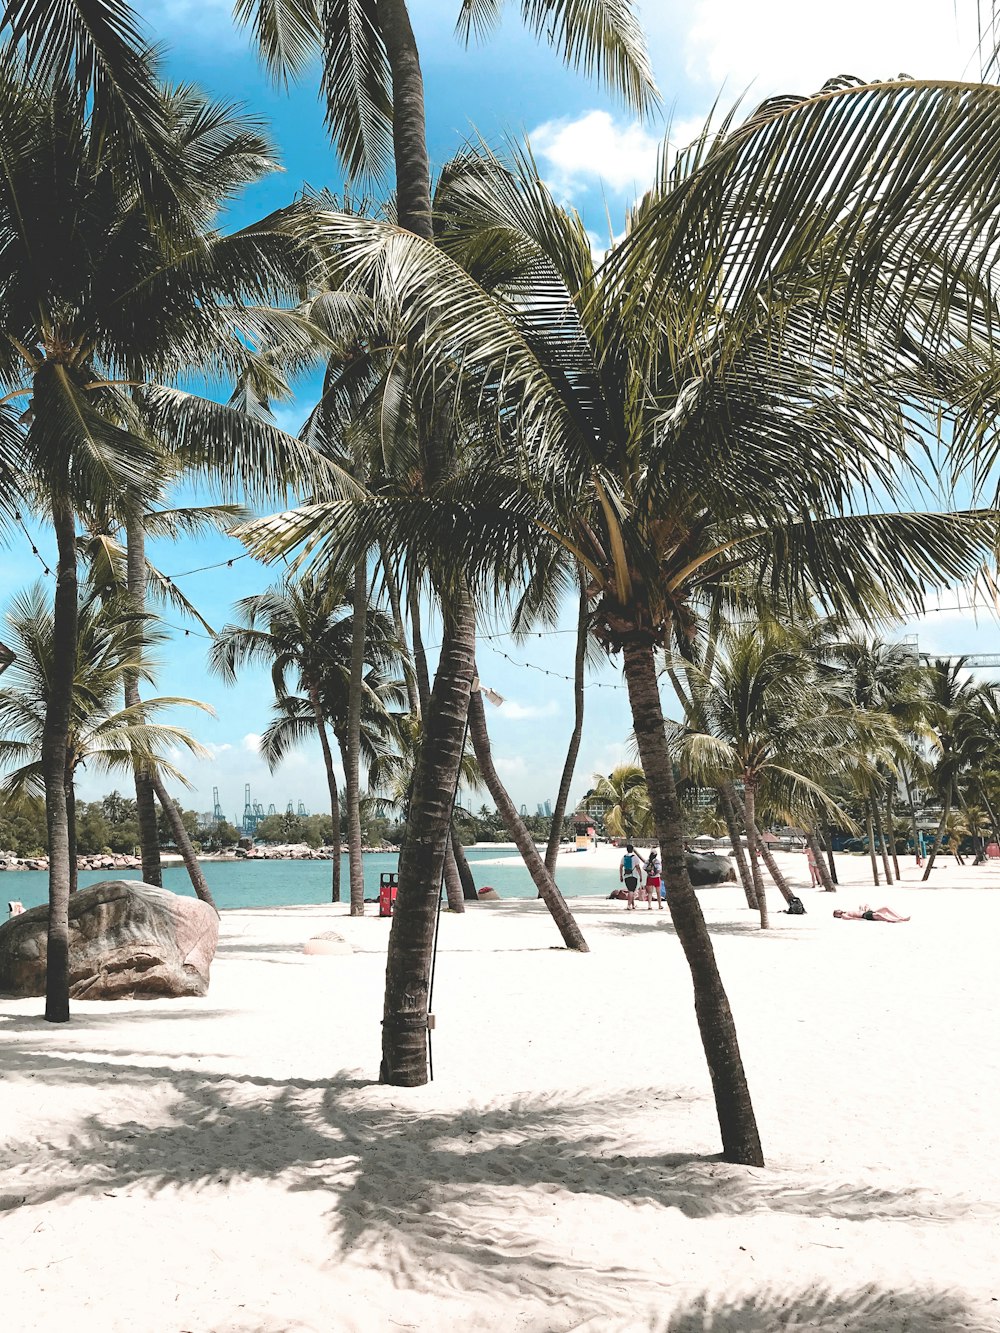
630,874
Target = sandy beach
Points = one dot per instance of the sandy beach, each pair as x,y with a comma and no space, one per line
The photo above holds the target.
229,1165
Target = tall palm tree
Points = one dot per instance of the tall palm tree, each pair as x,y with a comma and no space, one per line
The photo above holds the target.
304,632
100,309
373,87
722,395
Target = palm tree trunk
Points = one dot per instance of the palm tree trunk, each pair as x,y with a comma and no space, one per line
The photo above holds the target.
352,758
411,937
890,825
911,802
184,845
136,578
765,852
55,744
452,879
880,837
464,869
421,861
566,781
409,132
74,873
419,655
812,837
754,848
871,842
977,842
543,881
738,1126
331,786
773,869
829,855
729,814
392,586
938,836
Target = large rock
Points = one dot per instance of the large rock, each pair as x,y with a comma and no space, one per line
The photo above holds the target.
707,868
127,940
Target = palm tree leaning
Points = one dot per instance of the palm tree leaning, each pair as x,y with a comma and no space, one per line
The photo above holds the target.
670,455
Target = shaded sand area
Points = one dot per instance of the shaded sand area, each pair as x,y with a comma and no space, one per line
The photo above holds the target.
228,1165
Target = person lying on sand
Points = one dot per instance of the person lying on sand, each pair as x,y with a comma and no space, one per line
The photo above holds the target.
866,913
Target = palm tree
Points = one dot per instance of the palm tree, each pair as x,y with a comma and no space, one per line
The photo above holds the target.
765,718
629,814
546,885
373,87
886,678
102,736
954,705
303,632
125,572
97,303
718,397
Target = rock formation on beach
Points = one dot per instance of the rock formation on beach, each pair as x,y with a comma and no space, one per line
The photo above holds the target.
128,940
708,868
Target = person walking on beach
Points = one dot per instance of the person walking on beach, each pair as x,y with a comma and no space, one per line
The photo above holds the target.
629,869
653,880
814,874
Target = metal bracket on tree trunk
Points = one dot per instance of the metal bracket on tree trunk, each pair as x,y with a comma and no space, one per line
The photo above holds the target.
431,1022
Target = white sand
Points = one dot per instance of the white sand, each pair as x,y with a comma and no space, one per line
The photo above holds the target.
228,1164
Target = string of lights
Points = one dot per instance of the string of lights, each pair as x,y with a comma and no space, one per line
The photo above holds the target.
221,564
34,549
558,675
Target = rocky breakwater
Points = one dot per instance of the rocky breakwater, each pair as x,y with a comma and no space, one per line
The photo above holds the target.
299,851
127,940
8,861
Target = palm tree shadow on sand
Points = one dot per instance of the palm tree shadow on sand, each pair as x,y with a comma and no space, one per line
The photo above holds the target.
460,1201
822,1310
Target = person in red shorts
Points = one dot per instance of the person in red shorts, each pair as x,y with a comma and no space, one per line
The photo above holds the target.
653,880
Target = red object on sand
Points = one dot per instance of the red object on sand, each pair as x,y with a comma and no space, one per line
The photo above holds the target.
387,888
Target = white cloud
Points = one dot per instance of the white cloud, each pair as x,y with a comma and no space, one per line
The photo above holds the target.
786,46
592,148
251,743
512,711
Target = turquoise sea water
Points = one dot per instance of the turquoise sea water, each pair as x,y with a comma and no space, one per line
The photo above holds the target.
284,883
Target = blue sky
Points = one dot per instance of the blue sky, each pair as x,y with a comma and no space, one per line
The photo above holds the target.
595,157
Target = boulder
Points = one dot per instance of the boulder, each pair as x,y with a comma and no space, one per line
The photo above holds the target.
127,940
707,868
